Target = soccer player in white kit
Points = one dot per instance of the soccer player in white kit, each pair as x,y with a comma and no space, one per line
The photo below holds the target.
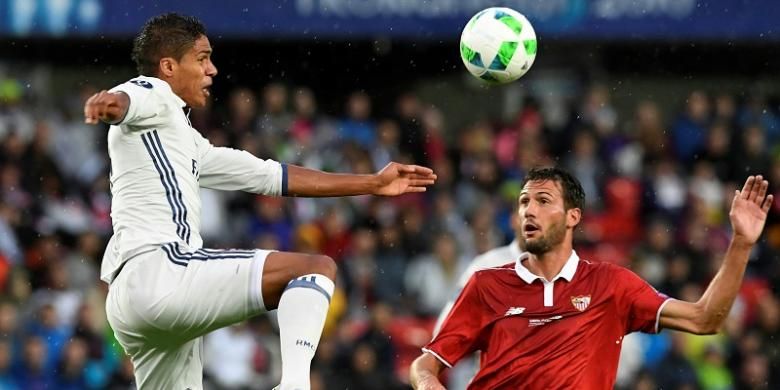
165,290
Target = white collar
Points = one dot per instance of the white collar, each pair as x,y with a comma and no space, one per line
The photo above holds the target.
181,102
567,272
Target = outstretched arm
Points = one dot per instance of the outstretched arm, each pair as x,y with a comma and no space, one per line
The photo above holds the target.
748,215
424,371
106,106
393,179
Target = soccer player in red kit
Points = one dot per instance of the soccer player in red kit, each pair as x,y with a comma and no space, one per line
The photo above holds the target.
551,320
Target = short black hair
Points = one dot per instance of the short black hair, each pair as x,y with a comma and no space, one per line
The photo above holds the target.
166,35
573,194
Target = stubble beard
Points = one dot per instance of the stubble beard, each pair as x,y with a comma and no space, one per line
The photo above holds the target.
539,246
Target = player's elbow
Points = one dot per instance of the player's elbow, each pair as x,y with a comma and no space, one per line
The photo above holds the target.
708,328
708,324
695,318
709,331
700,329
704,319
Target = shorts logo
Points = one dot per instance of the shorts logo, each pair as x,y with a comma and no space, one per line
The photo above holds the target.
581,303
513,311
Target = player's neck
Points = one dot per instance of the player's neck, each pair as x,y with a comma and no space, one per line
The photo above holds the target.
550,264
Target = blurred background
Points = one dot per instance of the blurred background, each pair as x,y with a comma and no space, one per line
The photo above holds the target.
661,108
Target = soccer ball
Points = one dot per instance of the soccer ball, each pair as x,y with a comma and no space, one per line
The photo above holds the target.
498,45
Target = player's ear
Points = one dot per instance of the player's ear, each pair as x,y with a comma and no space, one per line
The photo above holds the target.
167,66
573,217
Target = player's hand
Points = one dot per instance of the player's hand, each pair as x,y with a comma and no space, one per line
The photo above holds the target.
397,179
749,209
105,106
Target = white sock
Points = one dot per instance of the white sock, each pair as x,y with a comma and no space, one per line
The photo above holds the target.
301,314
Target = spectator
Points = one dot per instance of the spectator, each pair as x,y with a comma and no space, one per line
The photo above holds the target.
123,377
391,263
386,149
81,265
357,127
412,134
7,380
717,150
585,164
274,120
230,354
675,371
431,279
71,374
10,249
33,372
360,268
242,114
690,128
753,157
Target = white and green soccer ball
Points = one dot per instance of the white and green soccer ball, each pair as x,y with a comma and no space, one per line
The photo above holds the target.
498,45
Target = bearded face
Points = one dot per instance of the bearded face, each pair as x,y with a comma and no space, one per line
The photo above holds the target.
542,217
540,240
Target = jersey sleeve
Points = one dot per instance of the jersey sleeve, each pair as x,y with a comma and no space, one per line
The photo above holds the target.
461,328
640,302
222,168
146,107
478,263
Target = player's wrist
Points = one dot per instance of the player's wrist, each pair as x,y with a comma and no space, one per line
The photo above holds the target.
375,184
739,241
429,382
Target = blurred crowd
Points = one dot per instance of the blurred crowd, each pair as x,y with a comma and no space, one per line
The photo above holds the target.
658,185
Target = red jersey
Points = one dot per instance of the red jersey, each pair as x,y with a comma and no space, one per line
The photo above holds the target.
535,334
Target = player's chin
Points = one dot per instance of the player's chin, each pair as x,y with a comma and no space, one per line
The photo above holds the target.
199,101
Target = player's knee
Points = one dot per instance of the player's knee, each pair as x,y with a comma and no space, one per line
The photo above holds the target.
323,265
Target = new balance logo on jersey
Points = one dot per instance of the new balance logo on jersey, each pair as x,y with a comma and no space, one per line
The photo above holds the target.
513,311
581,302
305,343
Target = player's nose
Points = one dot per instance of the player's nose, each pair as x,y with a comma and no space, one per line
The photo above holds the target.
211,70
529,210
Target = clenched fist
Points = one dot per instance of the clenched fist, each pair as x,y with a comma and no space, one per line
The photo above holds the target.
106,106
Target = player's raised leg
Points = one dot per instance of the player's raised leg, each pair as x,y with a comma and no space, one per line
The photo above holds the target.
300,286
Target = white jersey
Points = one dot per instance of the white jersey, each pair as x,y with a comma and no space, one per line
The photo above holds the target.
158,164
492,258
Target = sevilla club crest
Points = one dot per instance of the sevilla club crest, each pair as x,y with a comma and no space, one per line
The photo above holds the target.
581,302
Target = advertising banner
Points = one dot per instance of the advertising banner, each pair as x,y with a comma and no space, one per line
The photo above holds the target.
412,19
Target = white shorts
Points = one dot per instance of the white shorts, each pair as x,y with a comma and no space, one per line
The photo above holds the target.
163,301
